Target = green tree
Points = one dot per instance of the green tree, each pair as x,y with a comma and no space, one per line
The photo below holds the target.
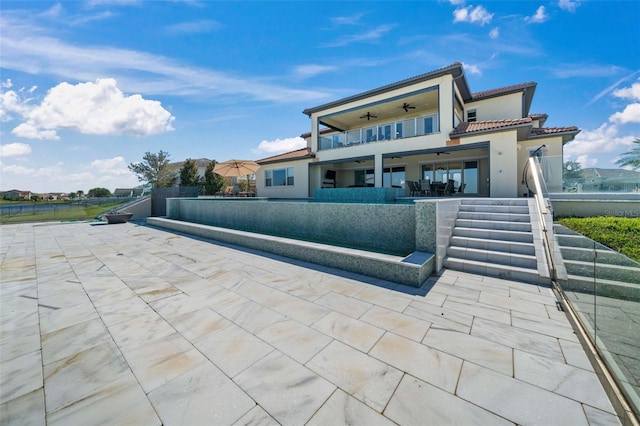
99,192
80,193
213,182
155,170
572,169
632,157
189,175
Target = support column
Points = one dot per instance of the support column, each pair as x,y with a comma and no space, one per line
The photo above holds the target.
377,170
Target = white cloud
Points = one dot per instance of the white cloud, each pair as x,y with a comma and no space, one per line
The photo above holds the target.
630,114
494,33
457,2
311,70
13,149
279,146
472,69
111,166
6,84
569,5
348,20
368,36
27,48
539,17
472,15
30,131
591,144
194,27
94,108
632,92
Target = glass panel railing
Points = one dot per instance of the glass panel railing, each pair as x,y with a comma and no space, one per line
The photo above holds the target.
569,176
603,288
601,285
418,126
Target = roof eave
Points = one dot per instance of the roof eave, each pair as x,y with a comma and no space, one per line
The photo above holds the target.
494,130
455,70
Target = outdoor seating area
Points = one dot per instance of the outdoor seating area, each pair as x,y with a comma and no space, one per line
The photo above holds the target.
426,188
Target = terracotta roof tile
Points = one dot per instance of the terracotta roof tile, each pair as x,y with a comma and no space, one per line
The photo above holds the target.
291,155
539,131
481,126
502,90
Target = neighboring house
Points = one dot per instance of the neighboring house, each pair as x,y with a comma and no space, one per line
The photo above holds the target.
201,163
16,194
426,127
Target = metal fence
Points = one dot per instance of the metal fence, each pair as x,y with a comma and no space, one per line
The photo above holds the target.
9,210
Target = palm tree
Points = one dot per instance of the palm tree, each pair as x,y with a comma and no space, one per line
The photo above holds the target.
631,158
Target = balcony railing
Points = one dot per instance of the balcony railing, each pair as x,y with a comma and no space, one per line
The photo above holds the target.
417,126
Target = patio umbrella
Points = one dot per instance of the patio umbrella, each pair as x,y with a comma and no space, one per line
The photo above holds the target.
235,168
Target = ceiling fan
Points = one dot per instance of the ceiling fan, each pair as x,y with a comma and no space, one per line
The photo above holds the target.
407,107
369,116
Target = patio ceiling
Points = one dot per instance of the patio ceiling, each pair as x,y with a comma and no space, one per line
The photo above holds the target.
382,111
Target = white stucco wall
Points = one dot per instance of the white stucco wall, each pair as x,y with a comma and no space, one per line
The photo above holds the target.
498,108
300,187
503,161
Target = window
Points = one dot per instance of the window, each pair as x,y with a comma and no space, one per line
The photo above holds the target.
393,177
471,115
279,177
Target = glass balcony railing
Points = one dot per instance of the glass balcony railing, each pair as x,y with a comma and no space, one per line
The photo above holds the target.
418,126
561,175
601,285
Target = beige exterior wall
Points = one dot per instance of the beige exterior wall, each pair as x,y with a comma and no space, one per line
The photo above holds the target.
498,108
503,155
300,187
551,161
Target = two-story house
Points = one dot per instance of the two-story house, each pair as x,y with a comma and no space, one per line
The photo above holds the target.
427,128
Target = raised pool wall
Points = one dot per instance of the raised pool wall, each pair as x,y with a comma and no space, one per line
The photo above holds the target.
386,228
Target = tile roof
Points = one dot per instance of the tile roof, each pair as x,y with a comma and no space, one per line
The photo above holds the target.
539,116
291,155
503,90
541,131
482,126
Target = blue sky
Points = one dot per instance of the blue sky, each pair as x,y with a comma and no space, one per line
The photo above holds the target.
90,86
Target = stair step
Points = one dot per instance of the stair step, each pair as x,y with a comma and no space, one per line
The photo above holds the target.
494,234
603,271
494,257
506,217
494,224
568,240
605,288
608,257
495,209
495,245
495,201
500,271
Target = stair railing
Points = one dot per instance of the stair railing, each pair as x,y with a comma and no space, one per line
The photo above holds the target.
544,210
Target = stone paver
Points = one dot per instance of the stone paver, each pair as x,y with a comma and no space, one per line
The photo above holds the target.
127,324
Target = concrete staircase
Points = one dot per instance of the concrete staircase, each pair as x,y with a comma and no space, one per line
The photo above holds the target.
494,237
586,262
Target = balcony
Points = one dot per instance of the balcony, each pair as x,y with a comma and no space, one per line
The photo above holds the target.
418,126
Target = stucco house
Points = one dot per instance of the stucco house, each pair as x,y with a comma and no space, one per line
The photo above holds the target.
427,127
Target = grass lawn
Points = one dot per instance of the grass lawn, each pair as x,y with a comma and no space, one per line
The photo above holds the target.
63,214
619,233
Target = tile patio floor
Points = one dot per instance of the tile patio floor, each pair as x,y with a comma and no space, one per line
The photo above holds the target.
126,324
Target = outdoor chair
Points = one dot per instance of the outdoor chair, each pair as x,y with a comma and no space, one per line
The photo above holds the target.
447,189
414,188
425,187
